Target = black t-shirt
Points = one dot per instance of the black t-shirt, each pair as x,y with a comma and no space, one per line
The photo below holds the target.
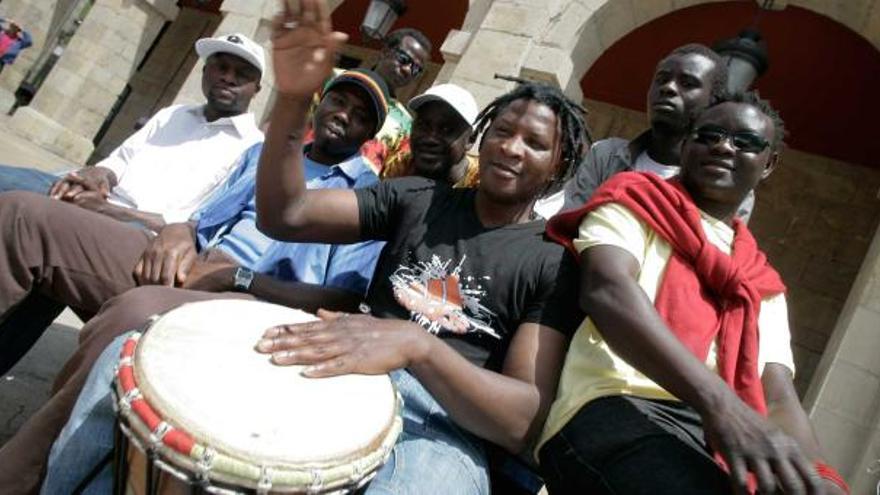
471,285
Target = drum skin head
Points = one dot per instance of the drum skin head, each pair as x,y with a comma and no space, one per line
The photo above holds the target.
197,367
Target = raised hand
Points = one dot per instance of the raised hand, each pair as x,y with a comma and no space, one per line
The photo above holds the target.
304,48
341,343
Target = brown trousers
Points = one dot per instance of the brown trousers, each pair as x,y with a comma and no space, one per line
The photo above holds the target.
52,255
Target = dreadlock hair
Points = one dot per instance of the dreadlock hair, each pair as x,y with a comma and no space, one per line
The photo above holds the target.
395,38
571,117
719,84
754,99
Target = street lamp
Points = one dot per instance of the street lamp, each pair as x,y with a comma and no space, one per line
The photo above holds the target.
745,57
381,15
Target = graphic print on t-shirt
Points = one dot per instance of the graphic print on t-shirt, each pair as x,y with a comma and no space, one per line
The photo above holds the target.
441,299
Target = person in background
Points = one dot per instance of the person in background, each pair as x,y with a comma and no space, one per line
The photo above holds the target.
164,171
680,379
685,81
13,39
219,253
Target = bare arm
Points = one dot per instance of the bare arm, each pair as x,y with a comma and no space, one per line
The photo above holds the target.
785,411
611,295
302,59
506,408
307,297
152,221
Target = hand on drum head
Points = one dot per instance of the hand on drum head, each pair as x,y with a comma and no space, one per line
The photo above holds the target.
342,343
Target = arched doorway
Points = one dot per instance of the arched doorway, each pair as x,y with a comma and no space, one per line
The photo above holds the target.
816,216
425,16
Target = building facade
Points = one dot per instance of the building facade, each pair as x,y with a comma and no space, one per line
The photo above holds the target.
100,65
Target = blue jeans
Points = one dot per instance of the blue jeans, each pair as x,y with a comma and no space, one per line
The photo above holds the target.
87,438
25,179
432,454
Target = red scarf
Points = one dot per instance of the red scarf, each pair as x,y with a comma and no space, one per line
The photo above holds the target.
705,293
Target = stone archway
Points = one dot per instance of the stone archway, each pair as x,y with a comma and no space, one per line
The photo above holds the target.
844,395
588,28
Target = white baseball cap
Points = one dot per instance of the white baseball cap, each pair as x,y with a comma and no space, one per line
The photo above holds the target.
235,44
460,99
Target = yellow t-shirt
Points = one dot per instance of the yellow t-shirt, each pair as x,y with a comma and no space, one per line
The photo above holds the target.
592,369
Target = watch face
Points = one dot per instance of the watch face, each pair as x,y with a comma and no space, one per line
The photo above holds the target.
243,279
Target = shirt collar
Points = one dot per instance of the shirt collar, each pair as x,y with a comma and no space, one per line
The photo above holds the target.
243,123
352,167
635,148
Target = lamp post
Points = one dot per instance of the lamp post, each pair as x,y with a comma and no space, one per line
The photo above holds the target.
380,16
745,57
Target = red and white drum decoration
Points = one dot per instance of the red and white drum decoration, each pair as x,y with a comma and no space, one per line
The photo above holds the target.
209,409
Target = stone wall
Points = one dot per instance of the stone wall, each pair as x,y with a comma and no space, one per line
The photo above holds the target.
815,218
73,102
844,404
40,19
159,79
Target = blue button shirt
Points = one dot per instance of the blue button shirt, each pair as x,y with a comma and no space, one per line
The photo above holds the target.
227,221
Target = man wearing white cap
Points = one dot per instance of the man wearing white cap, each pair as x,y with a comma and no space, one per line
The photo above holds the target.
441,134
165,170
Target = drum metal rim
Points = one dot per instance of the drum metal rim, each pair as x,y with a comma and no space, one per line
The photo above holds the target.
325,477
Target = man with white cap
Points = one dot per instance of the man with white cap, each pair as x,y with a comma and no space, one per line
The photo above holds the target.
166,169
441,134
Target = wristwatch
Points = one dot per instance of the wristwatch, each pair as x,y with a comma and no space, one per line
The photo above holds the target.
243,279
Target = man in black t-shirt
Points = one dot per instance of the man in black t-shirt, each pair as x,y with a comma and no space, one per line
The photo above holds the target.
471,308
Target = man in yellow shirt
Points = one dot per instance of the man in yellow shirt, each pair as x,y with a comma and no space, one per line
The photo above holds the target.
680,379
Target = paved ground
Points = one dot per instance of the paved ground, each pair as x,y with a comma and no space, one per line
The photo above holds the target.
26,386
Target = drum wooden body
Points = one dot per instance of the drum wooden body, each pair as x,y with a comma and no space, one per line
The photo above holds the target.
195,395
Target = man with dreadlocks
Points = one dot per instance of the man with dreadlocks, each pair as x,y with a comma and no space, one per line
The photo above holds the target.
684,83
470,308
680,380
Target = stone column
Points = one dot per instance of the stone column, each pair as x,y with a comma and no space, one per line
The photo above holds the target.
499,43
844,398
73,102
42,21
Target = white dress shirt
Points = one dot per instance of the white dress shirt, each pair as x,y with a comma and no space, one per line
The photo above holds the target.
172,164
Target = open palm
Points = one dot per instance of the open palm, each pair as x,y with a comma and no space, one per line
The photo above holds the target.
304,47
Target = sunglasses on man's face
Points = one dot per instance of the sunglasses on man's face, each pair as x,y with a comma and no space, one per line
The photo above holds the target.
404,58
746,141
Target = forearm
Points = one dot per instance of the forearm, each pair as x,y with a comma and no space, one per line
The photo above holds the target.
625,316
152,221
281,185
493,406
785,411
308,297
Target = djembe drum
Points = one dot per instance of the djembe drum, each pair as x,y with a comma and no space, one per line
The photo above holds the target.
200,409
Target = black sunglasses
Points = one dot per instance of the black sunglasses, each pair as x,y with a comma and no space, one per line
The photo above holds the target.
404,58
745,141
